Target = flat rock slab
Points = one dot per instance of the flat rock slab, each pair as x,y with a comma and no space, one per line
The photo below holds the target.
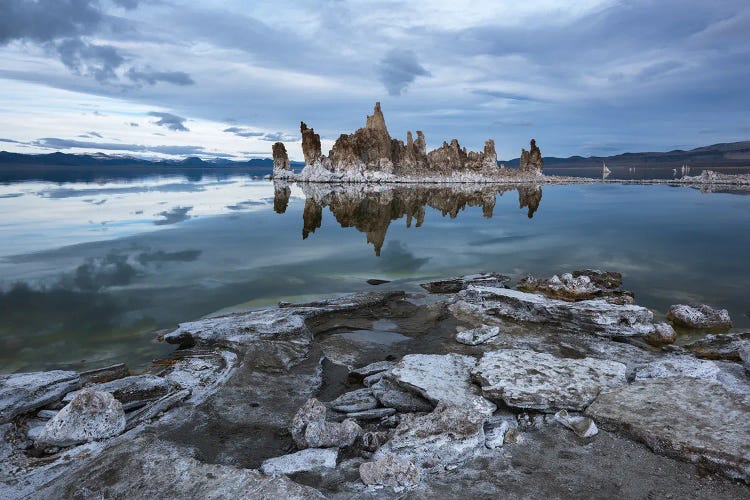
442,378
685,418
354,401
477,336
540,381
594,317
372,369
391,395
25,392
144,387
455,285
302,461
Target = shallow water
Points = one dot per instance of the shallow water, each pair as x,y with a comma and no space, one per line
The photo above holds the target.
89,272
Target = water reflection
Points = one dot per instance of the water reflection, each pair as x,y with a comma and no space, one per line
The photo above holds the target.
371,208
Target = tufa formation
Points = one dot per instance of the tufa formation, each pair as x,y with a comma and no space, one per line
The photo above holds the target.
371,153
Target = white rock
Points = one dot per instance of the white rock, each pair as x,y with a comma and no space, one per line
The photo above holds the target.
90,416
324,434
700,316
448,435
594,317
442,378
540,381
305,460
583,426
494,433
389,471
477,336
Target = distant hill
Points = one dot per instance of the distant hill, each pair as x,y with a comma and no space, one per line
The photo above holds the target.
64,167
733,154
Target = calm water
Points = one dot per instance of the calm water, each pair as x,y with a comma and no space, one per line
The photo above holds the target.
90,271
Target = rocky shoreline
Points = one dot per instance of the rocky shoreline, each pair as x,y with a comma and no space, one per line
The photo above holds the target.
556,387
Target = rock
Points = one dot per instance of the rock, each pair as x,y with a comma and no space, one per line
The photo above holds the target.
583,426
720,346
531,160
281,192
310,145
448,435
389,471
494,432
105,374
312,411
686,418
375,281
374,414
582,285
373,440
678,366
701,317
533,380
745,358
22,393
663,334
594,317
133,389
90,416
154,409
301,461
455,285
390,395
442,378
477,336
47,414
146,467
354,401
280,158
373,379
372,369
324,434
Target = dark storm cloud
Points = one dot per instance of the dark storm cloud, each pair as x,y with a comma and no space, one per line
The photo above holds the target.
88,59
127,4
398,69
152,77
47,20
10,140
170,121
61,144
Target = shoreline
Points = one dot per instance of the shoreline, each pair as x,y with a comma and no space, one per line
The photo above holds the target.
241,385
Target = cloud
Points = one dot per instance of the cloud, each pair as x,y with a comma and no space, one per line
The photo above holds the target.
88,59
61,144
242,132
398,69
498,94
177,214
152,77
170,121
47,20
127,4
133,124
10,140
278,136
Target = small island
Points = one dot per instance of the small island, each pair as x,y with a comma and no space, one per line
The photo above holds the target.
371,155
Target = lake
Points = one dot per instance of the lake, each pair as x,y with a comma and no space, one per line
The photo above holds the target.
91,271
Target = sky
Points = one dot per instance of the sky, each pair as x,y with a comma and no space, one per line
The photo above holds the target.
226,79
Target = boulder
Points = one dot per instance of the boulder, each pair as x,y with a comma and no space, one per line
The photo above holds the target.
312,411
581,285
593,317
325,434
533,380
448,435
720,346
389,471
476,336
455,285
686,418
90,416
22,393
701,317
301,461
442,378
663,334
